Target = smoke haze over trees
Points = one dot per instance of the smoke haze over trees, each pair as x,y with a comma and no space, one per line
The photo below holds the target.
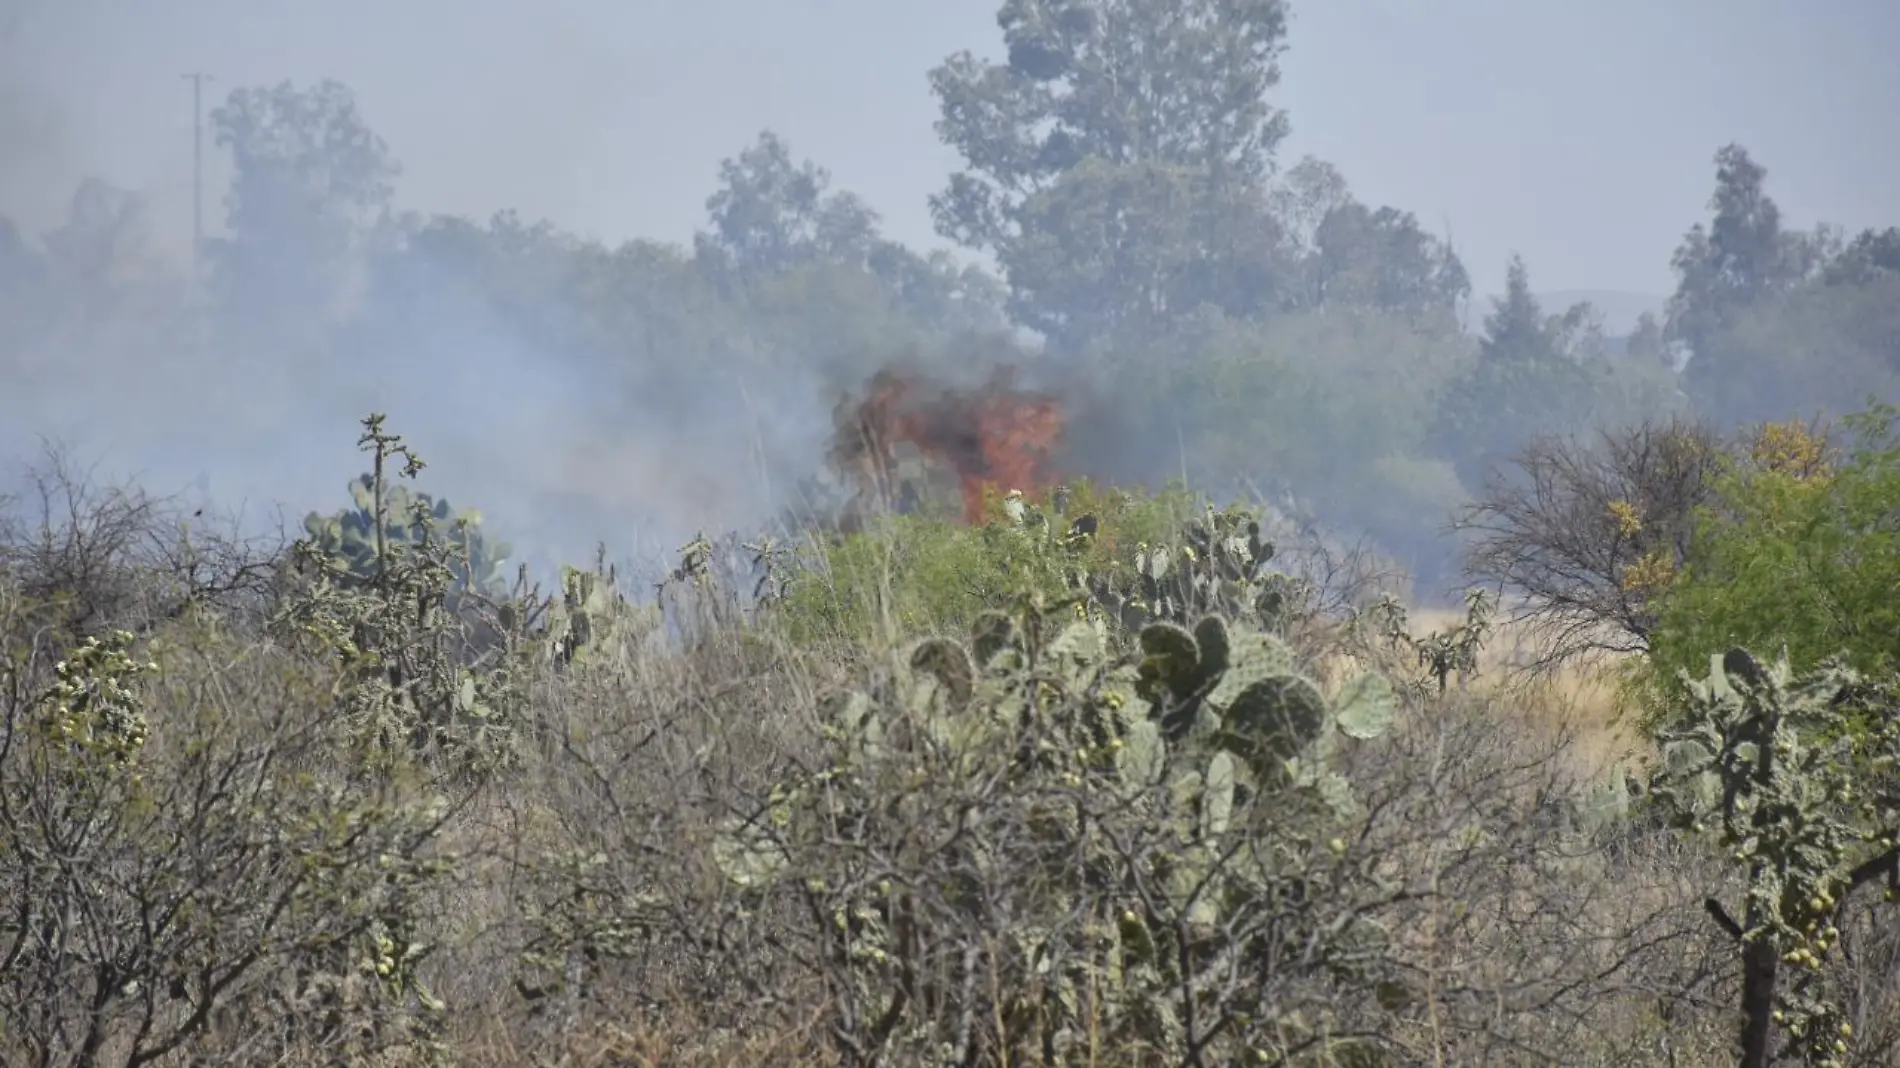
1129,229
991,532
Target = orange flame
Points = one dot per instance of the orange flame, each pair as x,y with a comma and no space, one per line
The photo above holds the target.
996,436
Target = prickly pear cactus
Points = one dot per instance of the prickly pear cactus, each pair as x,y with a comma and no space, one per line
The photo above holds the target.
592,620
349,536
1240,691
1792,777
1016,766
1220,564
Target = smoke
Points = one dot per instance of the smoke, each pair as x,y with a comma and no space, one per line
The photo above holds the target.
37,152
244,393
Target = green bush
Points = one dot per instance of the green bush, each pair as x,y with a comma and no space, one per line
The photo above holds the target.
1800,551
904,576
1306,403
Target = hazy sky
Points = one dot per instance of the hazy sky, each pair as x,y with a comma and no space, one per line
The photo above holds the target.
1579,134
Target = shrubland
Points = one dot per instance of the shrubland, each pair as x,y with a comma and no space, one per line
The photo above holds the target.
1106,777
939,772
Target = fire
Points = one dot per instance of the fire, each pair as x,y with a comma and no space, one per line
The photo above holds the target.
996,436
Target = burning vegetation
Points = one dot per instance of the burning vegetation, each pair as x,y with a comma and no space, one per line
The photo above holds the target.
997,436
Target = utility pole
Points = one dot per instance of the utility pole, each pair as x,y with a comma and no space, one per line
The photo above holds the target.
197,81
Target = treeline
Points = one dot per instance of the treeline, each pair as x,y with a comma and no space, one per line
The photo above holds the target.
1240,319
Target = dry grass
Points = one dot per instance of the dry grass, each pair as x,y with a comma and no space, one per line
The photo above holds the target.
1521,940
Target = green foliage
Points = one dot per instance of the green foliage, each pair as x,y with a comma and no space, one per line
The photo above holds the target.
1777,769
1033,760
1306,401
907,573
1738,259
309,181
1130,559
1539,375
1781,321
92,712
1820,348
1216,563
389,519
1497,408
911,574
390,618
1382,259
1799,553
1332,408
1190,252
1109,213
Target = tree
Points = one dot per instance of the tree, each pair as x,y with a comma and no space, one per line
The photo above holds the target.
1516,331
938,293
1872,255
101,248
1121,150
1124,252
1821,349
1381,259
1795,552
770,214
1309,193
1738,259
1646,342
1777,322
310,183
1586,535
1535,374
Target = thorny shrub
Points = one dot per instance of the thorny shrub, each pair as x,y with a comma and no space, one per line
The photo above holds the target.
330,822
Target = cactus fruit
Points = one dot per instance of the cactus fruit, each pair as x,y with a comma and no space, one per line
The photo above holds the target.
1774,766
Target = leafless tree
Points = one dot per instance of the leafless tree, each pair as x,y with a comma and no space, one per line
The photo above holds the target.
1579,536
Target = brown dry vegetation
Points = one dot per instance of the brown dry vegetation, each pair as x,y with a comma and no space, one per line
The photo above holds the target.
575,912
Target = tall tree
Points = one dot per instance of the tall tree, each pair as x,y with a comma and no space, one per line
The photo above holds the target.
310,183
1532,376
1383,259
1118,157
1516,330
1872,254
771,214
1646,343
1304,198
1736,260
1341,253
104,244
